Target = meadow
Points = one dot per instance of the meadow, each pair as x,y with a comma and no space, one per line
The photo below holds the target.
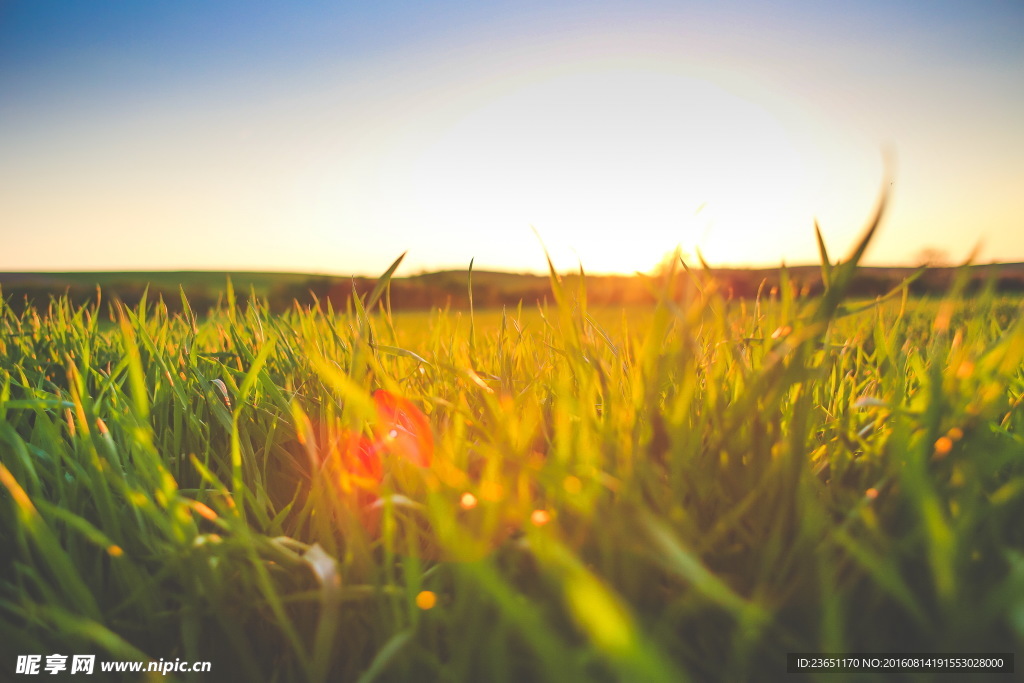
688,491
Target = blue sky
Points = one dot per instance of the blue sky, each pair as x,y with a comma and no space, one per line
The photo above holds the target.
331,137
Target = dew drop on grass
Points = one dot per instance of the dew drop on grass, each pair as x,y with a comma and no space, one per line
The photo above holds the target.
540,517
572,485
426,600
943,445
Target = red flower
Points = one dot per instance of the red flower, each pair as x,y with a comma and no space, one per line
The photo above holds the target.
400,442
401,430
361,457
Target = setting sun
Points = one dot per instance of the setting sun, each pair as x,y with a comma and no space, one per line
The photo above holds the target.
618,167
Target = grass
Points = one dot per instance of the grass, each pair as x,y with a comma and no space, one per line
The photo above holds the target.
683,493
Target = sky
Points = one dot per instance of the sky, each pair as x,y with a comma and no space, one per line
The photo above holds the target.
332,137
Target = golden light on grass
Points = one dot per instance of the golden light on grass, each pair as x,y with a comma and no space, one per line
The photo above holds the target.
204,511
537,449
600,613
572,485
965,370
21,498
491,491
426,600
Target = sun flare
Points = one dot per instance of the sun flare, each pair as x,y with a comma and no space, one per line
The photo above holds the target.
617,168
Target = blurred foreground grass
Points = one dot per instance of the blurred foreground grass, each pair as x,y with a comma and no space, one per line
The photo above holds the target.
682,493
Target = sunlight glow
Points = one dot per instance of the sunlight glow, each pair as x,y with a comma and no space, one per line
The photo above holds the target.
616,168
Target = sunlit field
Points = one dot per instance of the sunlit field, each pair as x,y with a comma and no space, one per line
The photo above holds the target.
687,492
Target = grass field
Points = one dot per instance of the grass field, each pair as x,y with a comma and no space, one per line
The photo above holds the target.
682,493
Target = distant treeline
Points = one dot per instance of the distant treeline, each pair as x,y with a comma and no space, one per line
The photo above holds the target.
450,288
